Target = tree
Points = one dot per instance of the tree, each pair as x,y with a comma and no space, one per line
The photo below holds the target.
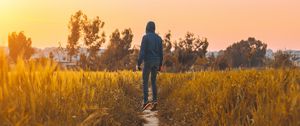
211,59
93,40
51,56
83,62
167,44
134,54
74,27
283,59
246,53
19,45
117,54
221,61
169,62
59,52
188,50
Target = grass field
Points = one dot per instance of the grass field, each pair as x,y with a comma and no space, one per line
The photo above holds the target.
247,97
35,94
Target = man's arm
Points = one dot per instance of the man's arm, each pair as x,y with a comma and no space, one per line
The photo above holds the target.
142,52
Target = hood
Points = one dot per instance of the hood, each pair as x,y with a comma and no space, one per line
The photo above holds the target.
150,28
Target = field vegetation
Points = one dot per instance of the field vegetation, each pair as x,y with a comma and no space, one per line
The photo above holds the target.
34,93
40,94
236,97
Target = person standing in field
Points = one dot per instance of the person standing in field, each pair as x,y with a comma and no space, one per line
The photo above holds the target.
151,53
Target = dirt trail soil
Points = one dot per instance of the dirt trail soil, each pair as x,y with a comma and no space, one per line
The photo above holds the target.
150,116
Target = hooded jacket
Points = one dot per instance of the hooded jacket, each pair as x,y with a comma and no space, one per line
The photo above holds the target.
151,46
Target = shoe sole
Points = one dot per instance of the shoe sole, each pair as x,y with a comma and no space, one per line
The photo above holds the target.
146,106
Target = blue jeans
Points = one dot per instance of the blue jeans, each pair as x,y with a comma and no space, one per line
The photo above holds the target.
150,67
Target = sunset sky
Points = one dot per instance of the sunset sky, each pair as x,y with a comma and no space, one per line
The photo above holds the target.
275,22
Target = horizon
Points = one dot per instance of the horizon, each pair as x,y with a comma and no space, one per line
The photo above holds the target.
103,48
276,23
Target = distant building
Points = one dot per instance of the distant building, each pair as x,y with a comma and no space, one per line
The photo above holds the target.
296,53
214,53
269,53
60,55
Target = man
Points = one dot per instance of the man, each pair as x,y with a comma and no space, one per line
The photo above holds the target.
151,53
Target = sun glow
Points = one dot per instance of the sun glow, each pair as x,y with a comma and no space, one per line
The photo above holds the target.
45,21
5,4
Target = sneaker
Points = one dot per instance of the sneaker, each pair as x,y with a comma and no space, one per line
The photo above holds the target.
145,106
154,108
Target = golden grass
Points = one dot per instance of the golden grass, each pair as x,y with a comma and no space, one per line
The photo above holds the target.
34,94
247,97
41,94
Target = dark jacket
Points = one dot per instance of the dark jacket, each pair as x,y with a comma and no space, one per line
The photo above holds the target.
151,46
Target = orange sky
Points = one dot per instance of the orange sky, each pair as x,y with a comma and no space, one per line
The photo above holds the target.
275,22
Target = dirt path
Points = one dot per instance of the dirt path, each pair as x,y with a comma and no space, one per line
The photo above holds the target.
150,116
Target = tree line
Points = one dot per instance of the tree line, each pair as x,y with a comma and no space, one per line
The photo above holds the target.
186,54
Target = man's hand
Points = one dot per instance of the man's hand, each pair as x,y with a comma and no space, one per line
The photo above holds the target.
138,68
159,68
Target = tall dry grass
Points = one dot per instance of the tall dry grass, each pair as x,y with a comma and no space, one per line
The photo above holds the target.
247,97
41,94
35,93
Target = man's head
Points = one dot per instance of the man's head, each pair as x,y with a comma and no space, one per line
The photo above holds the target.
150,28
